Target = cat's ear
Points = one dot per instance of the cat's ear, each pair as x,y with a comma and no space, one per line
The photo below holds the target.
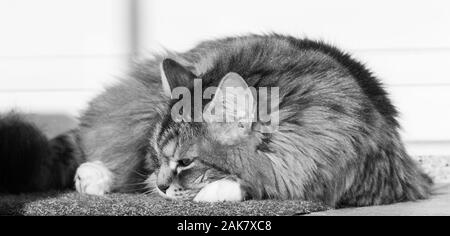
174,75
233,101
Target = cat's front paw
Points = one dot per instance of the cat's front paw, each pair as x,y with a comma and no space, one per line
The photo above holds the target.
220,191
93,178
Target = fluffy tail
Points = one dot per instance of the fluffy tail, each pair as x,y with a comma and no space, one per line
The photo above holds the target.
389,176
29,162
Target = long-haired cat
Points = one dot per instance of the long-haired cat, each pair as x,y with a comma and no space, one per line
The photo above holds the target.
336,137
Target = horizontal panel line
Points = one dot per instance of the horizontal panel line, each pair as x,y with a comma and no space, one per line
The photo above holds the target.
47,90
100,87
51,56
64,56
402,50
418,85
428,142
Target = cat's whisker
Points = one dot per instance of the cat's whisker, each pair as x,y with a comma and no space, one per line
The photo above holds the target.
140,174
135,184
151,191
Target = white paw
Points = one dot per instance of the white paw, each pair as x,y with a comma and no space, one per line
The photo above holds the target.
93,178
220,191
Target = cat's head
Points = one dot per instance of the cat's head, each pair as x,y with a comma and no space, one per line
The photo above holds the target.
190,150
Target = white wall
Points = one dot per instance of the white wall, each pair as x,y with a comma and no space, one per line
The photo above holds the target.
55,54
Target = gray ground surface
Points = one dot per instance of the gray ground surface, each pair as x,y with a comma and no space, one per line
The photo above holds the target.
71,203
437,205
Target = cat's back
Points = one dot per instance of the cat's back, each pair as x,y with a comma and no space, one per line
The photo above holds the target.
248,54
287,62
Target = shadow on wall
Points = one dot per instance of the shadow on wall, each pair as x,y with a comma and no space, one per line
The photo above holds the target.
52,124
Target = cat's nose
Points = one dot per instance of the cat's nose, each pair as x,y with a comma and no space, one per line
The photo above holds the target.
163,187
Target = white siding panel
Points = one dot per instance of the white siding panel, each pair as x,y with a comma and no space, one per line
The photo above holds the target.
424,112
411,68
58,102
55,27
408,67
53,73
427,148
352,24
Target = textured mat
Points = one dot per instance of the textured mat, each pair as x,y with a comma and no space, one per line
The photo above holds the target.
71,203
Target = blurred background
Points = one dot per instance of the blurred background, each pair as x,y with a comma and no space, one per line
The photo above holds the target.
55,55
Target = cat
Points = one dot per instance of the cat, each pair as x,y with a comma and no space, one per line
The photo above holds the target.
335,139
29,162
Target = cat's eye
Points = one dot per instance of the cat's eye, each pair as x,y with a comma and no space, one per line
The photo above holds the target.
184,162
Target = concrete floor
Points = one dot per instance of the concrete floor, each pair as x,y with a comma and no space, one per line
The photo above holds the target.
437,205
